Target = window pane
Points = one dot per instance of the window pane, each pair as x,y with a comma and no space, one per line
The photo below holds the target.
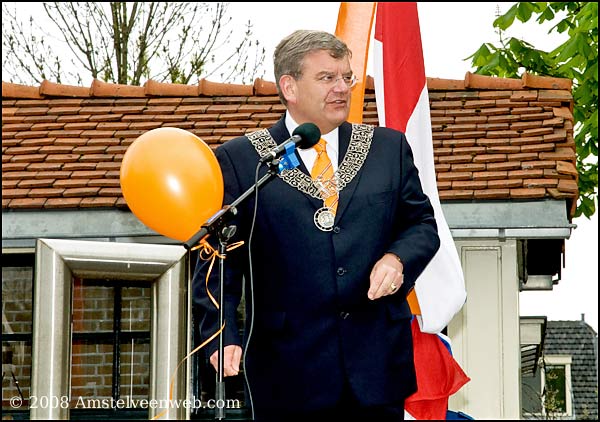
17,296
16,374
556,397
91,371
17,299
93,306
204,377
135,310
135,369
531,394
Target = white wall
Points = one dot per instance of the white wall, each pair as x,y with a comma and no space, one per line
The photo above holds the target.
485,334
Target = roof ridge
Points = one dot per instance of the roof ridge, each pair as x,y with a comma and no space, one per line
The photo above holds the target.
260,87
576,323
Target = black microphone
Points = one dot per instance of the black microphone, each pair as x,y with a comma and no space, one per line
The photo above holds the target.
305,136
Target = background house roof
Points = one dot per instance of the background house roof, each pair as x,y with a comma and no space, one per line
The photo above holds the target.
579,340
494,138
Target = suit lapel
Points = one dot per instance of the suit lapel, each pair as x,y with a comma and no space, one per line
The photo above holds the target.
280,133
343,141
345,133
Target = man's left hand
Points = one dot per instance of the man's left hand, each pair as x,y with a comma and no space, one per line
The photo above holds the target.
386,277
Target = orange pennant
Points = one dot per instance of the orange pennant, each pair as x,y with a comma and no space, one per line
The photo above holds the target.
354,28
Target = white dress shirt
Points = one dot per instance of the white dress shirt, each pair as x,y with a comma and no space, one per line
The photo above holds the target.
309,155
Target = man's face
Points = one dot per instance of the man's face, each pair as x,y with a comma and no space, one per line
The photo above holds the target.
322,95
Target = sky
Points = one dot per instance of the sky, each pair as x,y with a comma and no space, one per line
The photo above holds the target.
450,33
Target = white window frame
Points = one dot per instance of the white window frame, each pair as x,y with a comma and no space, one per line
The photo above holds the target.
559,360
58,261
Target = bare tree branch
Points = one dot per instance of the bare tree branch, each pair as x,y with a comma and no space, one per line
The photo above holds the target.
127,43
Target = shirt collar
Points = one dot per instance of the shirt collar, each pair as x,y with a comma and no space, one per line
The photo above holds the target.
332,138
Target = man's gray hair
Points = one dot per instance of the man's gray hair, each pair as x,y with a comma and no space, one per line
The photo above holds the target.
289,55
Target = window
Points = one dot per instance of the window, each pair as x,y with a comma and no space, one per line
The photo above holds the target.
105,302
204,379
17,299
531,394
61,263
557,386
110,354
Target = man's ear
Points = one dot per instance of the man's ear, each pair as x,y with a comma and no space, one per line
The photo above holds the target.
289,88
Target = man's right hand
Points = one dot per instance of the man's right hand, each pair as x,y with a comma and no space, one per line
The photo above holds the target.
232,355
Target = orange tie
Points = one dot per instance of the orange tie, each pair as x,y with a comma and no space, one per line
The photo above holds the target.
322,174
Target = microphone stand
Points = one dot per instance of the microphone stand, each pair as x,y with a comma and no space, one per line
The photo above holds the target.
218,225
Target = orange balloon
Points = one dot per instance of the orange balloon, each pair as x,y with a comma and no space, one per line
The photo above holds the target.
172,181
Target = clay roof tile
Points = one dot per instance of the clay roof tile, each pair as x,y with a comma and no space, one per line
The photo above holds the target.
170,90
104,89
10,90
52,89
474,81
209,88
262,87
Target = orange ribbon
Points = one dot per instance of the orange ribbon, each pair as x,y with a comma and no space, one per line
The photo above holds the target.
208,252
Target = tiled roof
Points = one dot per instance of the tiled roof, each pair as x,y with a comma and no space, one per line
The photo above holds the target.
579,340
494,138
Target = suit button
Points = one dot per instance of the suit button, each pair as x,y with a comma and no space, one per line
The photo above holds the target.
336,229
344,315
341,271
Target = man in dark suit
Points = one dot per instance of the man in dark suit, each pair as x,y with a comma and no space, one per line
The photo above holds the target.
333,254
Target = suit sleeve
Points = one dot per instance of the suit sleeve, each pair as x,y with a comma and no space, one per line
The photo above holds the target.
234,269
416,239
